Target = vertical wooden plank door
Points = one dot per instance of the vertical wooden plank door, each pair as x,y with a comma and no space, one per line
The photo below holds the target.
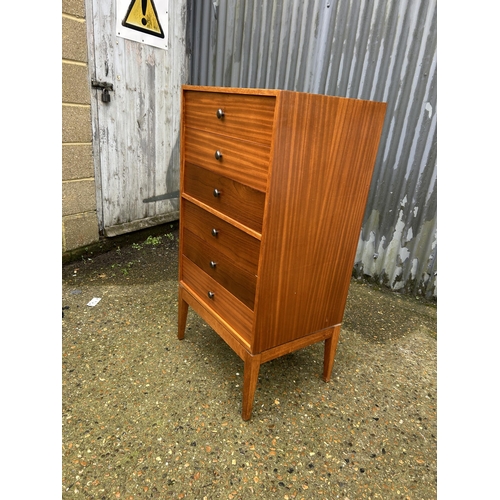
136,133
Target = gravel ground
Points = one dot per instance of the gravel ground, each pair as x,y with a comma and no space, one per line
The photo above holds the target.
148,416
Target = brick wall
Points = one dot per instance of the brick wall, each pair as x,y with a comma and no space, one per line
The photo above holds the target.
79,216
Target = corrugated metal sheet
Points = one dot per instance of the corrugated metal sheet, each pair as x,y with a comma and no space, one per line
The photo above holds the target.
381,50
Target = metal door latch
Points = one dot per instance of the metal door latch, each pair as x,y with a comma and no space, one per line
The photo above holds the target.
105,87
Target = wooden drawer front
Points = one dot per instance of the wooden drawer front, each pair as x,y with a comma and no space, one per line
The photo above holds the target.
238,201
247,117
245,162
236,280
237,246
226,305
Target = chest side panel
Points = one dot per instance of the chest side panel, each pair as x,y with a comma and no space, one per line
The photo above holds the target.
324,154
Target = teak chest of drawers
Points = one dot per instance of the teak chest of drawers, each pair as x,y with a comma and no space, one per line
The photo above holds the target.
273,191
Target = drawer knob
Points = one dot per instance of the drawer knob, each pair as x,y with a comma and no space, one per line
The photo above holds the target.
218,155
211,295
215,232
220,113
216,193
213,264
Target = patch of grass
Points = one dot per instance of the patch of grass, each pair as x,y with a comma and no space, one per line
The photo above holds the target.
153,240
127,267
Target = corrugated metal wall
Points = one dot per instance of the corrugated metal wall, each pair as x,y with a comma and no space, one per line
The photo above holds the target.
382,50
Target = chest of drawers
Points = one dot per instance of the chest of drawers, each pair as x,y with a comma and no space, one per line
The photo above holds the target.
273,191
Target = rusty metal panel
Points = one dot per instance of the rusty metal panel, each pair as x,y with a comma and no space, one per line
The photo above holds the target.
381,50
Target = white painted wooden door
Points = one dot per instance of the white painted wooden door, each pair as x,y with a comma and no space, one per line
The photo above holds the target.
136,133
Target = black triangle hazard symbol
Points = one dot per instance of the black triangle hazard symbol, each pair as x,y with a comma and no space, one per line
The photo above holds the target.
142,16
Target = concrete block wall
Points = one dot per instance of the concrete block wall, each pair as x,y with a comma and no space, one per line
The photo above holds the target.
79,215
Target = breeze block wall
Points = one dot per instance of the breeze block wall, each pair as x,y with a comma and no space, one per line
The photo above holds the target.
79,216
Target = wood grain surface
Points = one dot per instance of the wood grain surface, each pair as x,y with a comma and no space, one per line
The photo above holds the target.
235,279
324,153
235,244
243,161
238,201
246,117
292,186
223,303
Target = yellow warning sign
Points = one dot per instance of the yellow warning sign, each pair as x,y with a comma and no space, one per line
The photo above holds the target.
142,16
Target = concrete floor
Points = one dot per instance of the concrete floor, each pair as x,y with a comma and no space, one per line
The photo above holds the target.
148,416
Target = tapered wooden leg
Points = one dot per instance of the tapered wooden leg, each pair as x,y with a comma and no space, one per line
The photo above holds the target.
330,350
182,317
250,377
